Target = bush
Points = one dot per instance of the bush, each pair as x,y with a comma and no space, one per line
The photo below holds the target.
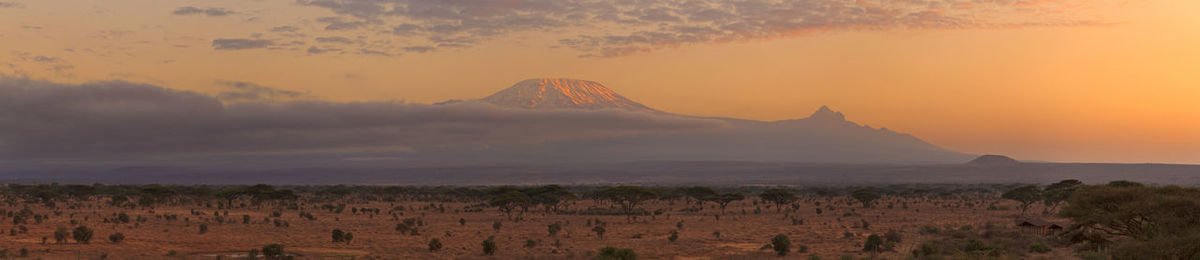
613,253
273,251
892,236
781,243
489,246
61,235
338,235
116,237
435,245
1040,248
203,228
599,231
554,228
674,236
82,234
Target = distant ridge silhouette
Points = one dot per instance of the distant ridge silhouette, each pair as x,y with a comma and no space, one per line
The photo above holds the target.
993,159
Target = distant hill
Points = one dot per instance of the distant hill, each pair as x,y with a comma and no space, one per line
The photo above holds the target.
992,159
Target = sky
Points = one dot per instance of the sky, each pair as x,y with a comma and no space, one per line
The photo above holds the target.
1053,80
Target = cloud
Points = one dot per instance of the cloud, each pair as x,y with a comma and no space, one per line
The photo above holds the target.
315,50
10,5
119,120
341,40
188,10
285,29
241,44
245,92
619,28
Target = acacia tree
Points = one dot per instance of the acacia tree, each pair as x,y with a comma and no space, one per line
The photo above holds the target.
1153,222
509,201
778,196
724,199
1026,195
629,197
866,196
1056,193
699,193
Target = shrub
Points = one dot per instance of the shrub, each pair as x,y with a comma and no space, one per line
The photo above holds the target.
116,237
781,243
489,246
802,249
273,251
1040,248
496,225
599,231
554,228
82,234
338,235
252,254
530,243
61,235
892,236
435,245
674,236
613,253
203,228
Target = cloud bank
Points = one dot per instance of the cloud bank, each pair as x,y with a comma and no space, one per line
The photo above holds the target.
121,120
601,28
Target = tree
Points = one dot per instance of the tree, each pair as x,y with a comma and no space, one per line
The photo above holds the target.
1056,193
866,196
699,193
629,197
781,244
874,244
551,197
778,196
509,201
1026,195
82,234
613,253
1145,222
724,199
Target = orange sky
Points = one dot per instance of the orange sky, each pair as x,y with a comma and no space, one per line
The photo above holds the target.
1094,81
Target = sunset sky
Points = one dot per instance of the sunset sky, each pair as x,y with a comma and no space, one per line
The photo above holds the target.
1054,80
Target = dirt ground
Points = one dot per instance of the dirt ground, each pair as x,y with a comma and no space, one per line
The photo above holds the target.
743,232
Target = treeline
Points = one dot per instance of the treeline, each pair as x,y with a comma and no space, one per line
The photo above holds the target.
550,197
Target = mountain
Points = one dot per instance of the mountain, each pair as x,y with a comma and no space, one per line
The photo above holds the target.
825,136
993,160
549,93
